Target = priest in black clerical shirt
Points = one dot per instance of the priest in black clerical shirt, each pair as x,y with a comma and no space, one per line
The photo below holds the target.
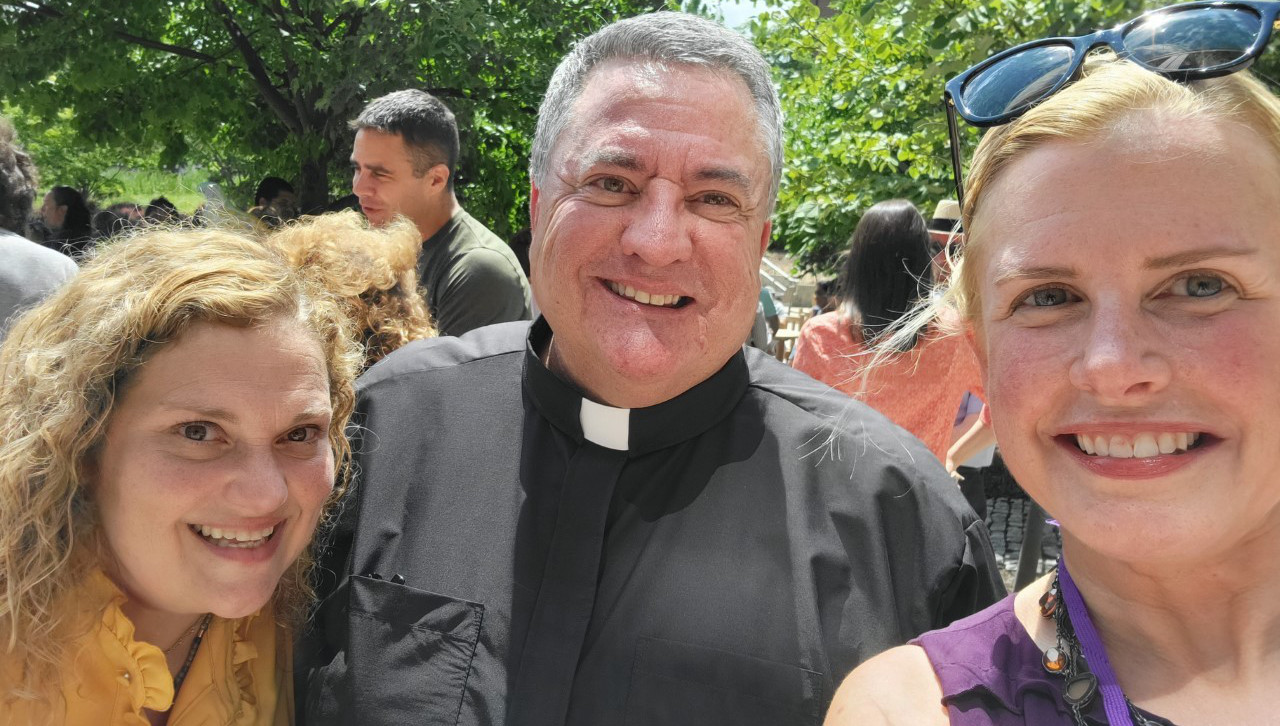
618,515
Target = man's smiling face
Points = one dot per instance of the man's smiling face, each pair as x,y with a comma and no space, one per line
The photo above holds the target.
648,231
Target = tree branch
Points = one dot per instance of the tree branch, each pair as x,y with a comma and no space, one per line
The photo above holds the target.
164,47
345,15
55,14
258,69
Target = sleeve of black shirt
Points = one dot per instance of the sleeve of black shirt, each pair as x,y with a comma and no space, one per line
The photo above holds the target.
977,582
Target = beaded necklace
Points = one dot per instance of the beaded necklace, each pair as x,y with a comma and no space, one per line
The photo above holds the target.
1079,646
191,654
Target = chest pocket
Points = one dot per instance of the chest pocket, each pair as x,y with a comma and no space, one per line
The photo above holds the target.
409,655
679,684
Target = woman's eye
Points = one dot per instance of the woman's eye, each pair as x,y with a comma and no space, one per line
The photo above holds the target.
1200,285
196,431
303,434
1046,297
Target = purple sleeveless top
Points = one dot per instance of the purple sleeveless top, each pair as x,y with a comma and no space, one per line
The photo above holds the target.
991,674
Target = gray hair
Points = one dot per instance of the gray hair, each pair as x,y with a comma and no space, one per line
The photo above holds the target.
662,38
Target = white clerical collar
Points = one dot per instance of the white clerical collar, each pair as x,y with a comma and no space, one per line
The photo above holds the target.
605,425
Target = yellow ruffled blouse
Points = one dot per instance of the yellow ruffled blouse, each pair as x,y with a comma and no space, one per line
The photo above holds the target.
241,675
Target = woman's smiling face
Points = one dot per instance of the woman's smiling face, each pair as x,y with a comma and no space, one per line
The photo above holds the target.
215,467
1129,327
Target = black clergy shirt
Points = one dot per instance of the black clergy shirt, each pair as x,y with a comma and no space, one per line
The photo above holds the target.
512,553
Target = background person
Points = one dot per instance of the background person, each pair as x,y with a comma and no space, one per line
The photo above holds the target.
920,384
30,271
164,460
274,202
1122,279
67,217
161,211
404,161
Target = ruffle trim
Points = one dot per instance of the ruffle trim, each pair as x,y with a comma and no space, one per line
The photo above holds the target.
146,672
243,652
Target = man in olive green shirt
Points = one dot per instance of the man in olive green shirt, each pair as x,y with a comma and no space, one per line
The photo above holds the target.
403,161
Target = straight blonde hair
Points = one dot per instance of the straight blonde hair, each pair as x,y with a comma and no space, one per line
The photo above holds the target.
1107,94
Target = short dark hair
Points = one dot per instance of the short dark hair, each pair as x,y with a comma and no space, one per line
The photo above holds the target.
160,208
427,126
270,187
18,181
888,270
78,219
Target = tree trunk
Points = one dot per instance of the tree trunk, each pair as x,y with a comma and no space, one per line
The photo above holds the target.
313,183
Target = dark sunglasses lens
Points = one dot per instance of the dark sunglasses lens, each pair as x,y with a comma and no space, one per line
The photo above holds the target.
1193,39
1017,81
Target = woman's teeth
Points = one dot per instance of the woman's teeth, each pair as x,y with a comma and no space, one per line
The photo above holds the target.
645,298
1136,447
242,538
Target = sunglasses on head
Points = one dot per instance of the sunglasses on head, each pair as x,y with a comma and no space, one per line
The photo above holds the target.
1184,42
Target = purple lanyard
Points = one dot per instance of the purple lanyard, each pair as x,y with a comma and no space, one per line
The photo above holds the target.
1113,700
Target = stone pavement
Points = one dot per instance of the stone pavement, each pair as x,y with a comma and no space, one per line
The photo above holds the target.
1005,516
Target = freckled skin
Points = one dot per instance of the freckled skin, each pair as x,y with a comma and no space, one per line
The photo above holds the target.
660,183
226,425
1125,342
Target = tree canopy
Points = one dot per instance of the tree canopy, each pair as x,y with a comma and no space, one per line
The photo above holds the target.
247,88
862,93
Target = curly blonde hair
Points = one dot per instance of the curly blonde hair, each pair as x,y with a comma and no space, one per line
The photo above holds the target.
375,270
62,368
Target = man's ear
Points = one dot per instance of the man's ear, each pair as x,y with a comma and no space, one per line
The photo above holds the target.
438,178
764,237
533,204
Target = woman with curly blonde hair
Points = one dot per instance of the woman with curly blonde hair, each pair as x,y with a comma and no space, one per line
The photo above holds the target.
170,426
375,270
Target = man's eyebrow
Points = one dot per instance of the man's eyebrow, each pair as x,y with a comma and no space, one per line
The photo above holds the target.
725,174
613,157
370,167
1191,257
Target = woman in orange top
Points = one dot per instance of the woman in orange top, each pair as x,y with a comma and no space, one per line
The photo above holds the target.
170,426
888,270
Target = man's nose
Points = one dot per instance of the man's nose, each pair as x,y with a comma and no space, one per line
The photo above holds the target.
659,230
359,183
1121,357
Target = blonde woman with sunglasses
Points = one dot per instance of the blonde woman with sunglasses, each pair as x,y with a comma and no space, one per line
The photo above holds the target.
1121,283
